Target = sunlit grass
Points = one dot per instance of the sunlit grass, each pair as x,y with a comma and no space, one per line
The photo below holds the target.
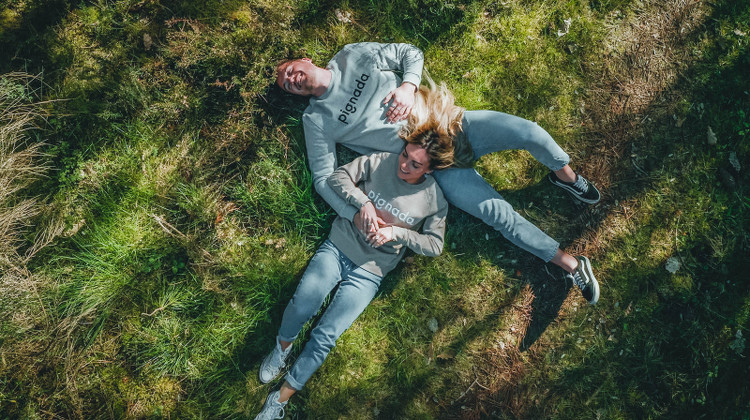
184,215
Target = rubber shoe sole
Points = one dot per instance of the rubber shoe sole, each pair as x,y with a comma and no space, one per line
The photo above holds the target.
584,267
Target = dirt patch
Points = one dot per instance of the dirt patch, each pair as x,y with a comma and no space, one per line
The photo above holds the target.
646,55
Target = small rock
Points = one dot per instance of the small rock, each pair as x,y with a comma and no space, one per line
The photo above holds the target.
727,179
738,344
673,264
432,324
565,28
75,228
147,41
734,161
710,136
343,16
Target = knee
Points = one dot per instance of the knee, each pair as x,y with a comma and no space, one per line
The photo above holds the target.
498,213
535,134
324,341
305,305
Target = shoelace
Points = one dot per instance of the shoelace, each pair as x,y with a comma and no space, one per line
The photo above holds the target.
282,412
280,358
578,280
581,184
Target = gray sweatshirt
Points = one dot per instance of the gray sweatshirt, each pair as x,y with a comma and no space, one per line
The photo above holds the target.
407,207
351,111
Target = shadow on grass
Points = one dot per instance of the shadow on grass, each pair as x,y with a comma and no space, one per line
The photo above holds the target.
19,39
660,350
670,359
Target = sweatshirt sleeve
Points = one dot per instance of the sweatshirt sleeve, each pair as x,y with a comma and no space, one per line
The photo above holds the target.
321,155
344,181
430,241
405,58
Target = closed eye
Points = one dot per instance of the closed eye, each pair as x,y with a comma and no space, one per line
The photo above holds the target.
288,74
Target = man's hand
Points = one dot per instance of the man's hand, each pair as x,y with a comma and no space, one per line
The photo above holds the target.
403,101
381,236
367,220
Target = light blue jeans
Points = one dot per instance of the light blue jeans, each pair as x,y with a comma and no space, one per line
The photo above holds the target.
491,131
328,267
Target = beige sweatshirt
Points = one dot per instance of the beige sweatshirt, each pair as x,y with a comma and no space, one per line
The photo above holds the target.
406,207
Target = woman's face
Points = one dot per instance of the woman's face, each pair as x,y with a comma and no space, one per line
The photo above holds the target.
413,163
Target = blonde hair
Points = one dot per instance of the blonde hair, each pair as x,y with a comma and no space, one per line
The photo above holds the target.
435,107
434,123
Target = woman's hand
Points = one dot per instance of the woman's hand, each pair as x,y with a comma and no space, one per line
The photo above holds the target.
381,236
403,101
367,220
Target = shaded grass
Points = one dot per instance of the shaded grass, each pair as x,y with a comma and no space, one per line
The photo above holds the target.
189,215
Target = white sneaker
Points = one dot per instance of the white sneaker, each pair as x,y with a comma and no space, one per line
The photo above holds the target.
273,363
273,409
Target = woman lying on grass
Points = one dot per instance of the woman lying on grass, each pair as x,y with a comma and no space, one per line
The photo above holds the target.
398,189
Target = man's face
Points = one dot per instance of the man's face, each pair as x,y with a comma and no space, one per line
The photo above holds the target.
296,77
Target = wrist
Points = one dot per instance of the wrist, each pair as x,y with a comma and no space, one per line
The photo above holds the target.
410,85
394,233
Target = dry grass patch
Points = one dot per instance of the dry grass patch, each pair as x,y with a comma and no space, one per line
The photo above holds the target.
645,55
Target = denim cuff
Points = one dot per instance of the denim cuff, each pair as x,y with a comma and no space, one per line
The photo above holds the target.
280,338
293,383
547,257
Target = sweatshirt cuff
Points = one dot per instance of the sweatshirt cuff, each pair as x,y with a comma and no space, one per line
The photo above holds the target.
413,78
358,199
348,213
399,234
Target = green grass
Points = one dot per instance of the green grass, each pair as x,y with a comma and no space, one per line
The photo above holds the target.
179,213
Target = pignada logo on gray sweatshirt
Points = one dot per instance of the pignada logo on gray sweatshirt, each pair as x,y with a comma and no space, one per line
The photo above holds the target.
350,106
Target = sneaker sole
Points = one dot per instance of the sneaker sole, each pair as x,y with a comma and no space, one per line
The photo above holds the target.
570,190
586,267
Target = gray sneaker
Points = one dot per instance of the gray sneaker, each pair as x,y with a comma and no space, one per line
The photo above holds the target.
272,409
273,363
581,189
585,280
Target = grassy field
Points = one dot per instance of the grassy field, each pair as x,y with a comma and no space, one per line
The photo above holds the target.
156,212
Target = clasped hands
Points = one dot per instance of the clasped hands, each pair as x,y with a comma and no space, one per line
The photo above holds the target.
371,226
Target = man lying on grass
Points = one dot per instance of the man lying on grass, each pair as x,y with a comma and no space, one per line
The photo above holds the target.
358,100
403,197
